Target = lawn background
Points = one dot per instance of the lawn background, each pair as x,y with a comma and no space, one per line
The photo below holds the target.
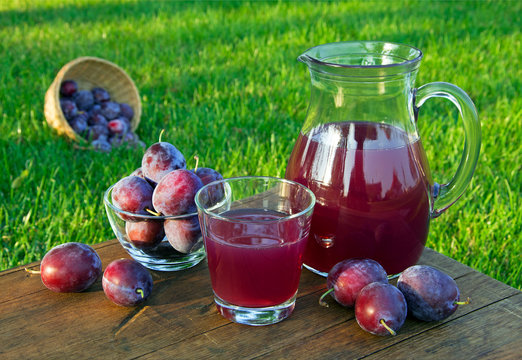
223,81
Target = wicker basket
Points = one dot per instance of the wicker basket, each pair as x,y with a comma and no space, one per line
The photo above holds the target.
91,72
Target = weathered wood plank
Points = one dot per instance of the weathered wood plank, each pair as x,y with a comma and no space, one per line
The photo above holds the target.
241,341
492,332
179,308
180,320
167,312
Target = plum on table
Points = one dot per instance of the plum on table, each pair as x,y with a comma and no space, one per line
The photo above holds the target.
431,294
346,279
70,267
380,309
126,282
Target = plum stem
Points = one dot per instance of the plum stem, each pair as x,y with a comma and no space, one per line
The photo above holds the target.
383,323
321,299
33,271
140,291
393,276
468,301
197,162
152,212
161,134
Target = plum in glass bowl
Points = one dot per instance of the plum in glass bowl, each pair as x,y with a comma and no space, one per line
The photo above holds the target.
164,243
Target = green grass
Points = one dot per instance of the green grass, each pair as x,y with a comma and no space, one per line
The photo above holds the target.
223,80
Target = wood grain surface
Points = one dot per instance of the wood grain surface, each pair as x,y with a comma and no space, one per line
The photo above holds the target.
179,320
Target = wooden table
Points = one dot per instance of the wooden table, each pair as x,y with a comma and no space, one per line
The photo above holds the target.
179,320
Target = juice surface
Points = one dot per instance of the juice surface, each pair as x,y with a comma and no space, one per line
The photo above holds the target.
372,194
256,263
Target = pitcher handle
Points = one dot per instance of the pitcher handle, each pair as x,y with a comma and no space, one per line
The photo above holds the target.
445,195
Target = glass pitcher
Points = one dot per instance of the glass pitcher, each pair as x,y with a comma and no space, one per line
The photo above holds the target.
360,152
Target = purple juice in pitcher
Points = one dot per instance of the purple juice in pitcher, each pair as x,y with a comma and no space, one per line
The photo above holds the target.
373,194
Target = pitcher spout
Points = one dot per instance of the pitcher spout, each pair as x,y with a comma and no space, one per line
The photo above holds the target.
304,58
362,58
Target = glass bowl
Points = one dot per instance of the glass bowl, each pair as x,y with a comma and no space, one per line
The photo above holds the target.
158,253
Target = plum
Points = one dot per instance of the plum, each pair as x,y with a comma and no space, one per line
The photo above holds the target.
133,139
68,88
138,172
98,131
174,194
101,144
162,250
79,123
85,109
69,108
115,140
100,95
70,267
145,234
380,309
160,159
118,126
83,99
110,109
95,109
97,119
346,279
132,194
183,234
130,140
207,175
126,282
431,294
126,111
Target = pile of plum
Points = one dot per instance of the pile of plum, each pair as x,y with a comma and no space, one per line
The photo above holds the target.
381,308
74,267
164,188
93,115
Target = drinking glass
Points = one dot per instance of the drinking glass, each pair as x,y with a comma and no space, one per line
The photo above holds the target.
255,230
